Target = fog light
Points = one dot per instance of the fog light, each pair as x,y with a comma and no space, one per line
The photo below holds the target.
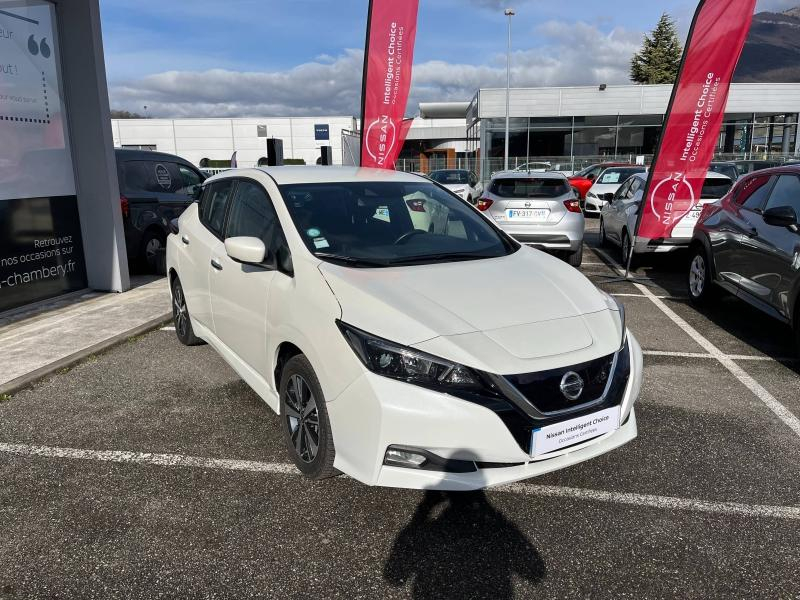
396,457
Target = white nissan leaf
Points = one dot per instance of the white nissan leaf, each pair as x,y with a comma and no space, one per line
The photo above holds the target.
430,352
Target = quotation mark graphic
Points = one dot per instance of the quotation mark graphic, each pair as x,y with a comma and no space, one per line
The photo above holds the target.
35,48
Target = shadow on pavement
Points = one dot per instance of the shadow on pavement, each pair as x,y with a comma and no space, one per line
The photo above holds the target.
458,545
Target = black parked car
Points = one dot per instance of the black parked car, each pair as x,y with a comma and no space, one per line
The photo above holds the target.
154,189
748,243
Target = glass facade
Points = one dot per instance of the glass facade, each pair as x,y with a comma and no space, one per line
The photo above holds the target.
570,143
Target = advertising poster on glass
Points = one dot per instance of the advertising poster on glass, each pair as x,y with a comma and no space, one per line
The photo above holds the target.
41,253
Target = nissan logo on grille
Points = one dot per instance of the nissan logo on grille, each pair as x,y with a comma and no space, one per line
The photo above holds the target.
571,385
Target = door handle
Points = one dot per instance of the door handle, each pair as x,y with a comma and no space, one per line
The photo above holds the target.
185,240
216,264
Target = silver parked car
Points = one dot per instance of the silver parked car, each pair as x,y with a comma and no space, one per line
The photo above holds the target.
606,185
537,209
618,217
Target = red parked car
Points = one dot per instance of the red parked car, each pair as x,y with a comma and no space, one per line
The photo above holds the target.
583,180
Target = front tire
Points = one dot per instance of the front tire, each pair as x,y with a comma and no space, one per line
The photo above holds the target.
181,318
603,238
700,281
304,417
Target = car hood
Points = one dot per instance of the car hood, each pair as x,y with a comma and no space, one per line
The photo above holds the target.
524,306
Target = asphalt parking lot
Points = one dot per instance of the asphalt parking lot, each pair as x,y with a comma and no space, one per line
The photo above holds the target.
152,471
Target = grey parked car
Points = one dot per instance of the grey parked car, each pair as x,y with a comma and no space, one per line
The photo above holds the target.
749,244
537,209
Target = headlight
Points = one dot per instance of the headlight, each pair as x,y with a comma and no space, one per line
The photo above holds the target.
459,191
591,195
412,366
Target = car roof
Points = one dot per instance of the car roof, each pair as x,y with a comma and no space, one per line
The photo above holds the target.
322,174
124,154
532,175
709,175
450,170
793,168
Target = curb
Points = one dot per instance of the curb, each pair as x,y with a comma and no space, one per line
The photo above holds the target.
24,381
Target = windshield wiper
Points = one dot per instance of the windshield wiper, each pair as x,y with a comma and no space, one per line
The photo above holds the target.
351,260
442,256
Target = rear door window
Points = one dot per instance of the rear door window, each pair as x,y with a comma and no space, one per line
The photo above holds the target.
753,193
150,177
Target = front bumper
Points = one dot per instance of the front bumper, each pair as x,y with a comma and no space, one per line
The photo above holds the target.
593,205
376,412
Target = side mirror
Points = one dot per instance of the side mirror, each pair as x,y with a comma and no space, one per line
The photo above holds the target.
196,192
780,216
173,226
608,196
248,250
590,177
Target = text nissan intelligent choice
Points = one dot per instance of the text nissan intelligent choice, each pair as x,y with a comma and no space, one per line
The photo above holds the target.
401,336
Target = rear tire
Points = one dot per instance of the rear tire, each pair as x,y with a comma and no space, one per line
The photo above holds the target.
152,251
576,258
699,281
797,329
603,238
181,318
304,418
626,249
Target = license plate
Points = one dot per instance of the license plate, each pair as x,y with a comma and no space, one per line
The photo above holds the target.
693,215
528,214
574,431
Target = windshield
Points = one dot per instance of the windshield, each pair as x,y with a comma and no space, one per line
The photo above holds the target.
529,187
715,188
381,224
616,175
725,169
450,177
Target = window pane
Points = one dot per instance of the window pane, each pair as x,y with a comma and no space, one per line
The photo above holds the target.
753,192
190,180
252,215
528,187
786,193
214,203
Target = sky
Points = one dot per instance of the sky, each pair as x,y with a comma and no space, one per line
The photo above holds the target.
195,58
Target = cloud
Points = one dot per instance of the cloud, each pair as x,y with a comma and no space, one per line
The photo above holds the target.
574,54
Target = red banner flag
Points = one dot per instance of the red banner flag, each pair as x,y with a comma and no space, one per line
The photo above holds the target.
695,114
389,55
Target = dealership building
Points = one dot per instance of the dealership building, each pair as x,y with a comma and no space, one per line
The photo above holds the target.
566,126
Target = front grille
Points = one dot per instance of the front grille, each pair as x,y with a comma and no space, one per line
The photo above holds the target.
520,424
543,389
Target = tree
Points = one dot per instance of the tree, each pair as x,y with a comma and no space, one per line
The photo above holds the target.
124,114
659,58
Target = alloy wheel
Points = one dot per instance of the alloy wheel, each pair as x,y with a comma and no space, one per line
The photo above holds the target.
697,276
302,416
151,250
179,310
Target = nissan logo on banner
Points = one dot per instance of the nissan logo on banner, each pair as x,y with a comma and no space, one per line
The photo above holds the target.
388,59
695,114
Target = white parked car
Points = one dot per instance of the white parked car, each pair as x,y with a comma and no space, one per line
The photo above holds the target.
618,217
461,182
380,345
537,209
605,186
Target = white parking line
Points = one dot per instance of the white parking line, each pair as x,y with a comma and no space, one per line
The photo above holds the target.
783,413
663,502
182,461
704,355
643,296
167,329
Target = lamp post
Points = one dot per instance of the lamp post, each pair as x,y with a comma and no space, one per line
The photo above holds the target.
509,13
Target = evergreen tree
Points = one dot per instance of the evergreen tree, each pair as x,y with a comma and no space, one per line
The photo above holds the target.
659,58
